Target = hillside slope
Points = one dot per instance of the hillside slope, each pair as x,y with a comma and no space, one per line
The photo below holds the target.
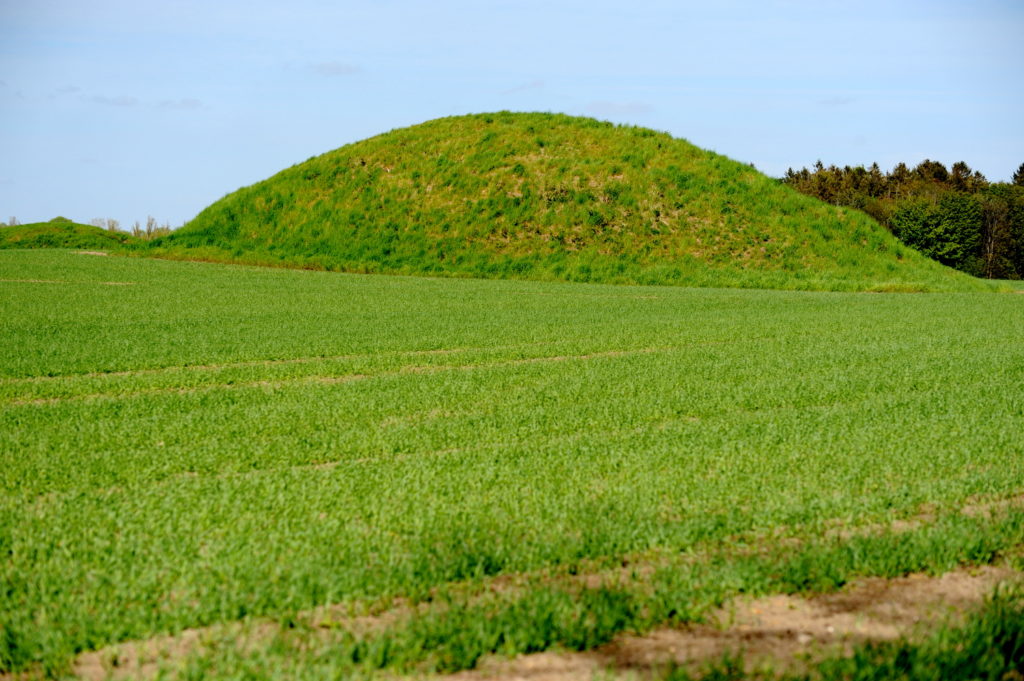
62,233
549,196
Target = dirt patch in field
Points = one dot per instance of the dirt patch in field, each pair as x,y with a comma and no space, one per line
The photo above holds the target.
147,659
139,660
784,632
91,253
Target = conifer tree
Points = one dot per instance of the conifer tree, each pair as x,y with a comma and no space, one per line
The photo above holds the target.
960,176
1018,177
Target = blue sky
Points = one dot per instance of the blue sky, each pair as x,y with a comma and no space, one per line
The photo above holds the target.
124,109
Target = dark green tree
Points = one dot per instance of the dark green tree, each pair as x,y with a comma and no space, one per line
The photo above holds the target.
898,180
875,182
997,247
1018,177
912,222
957,236
948,231
932,171
960,176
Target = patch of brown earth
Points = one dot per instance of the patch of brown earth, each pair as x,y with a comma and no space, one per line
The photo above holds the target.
139,660
148,659
783,633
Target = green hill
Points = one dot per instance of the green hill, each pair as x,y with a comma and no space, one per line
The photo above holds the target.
63,233
548,196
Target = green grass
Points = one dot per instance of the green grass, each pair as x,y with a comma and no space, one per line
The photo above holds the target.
62,233
1014,284
200,444
552,197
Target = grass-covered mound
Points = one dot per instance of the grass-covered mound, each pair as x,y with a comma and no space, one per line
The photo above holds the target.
63,233
549,196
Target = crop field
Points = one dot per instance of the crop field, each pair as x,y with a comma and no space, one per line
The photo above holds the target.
328,474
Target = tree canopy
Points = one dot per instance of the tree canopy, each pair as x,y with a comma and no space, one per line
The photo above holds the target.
955,215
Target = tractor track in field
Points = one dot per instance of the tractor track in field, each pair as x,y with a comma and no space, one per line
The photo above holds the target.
313,359
788,632
186,368
332,379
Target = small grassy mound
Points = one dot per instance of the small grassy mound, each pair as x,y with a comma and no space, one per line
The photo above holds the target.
63,233
548,196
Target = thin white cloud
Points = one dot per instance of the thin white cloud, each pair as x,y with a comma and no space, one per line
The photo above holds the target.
605,108
836,101
183,104
335,68
122,101
532,85
68,90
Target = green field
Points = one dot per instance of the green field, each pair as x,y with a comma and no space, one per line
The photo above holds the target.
184,444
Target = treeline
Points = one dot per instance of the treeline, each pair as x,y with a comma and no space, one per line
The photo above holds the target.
151,231
952,215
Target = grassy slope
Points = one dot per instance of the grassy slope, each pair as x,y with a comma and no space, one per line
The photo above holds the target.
546,196
59,234
295,440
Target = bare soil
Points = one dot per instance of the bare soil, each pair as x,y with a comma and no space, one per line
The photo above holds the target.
783,633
